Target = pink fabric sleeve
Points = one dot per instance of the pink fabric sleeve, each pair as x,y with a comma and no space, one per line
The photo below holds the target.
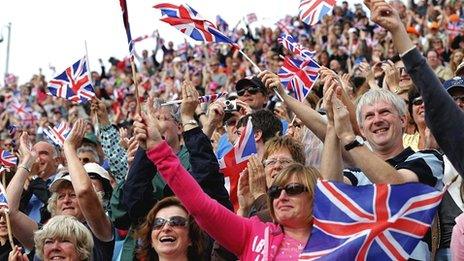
457,239
229,229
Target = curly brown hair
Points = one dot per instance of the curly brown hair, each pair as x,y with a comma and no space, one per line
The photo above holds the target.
196,235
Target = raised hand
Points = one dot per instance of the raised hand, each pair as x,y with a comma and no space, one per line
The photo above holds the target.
245,199
189,100
384,15
257,177
341,117
271,81
123,136
133,146
74,139
146,127
98,107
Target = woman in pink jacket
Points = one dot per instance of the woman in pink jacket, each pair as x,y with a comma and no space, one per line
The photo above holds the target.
290,196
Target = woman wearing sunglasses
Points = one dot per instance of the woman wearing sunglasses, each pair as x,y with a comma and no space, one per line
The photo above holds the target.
169,233
290,201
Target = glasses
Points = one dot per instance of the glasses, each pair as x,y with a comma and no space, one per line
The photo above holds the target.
291,189
417,101
251,90
174,221
272,162
459,98
85,160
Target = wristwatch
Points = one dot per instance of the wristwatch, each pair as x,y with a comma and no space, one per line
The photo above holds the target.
358,141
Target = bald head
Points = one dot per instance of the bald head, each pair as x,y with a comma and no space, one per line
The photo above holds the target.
47,159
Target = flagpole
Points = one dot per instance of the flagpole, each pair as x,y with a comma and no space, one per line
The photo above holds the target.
136,85
95,116
7,214
259,70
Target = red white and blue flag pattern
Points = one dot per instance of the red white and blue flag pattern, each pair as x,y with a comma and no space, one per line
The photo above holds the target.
125,19
58,134
7,159
212,97
294,47
3,198
189,22
251,17
312,11
74,84
236,159
299,76
372,222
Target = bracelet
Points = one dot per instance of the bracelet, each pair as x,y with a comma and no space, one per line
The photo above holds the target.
28,170
190,122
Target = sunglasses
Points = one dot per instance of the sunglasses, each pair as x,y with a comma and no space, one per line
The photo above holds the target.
174,221
251,90
291,189
459,98
85,160
272,162
417,101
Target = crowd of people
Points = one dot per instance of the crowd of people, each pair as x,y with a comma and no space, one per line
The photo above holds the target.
130,184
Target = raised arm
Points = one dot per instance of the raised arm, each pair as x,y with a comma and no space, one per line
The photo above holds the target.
87,197
210,215
331,163
23,226
205,166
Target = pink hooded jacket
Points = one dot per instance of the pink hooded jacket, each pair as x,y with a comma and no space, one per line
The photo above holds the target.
248,238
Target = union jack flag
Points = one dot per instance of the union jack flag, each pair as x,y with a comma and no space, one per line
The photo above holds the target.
454,28
212,97
299,76
236,159
3,198
125,19
221,24
251,17
283,26
189,22
74,83
7,159
312,11
58,134
18,109
31,118
294,47
372,222
140,38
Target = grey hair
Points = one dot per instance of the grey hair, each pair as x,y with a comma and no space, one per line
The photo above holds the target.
173,109
91,150
379,95
63,227
51,204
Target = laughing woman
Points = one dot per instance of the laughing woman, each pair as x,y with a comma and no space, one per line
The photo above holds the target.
169,233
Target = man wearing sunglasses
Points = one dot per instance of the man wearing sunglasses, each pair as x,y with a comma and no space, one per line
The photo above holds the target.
253,92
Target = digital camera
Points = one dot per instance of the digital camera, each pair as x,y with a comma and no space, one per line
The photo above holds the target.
230,106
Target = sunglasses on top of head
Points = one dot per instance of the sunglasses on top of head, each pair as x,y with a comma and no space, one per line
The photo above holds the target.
174,221
417,101
291,189
251,90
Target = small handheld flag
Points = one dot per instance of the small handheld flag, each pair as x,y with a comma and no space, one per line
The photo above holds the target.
299,76
294,47
312,11
74,84
7,159
125,18
58,134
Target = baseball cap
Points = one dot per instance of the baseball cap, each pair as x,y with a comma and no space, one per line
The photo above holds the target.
454,83
250,81
90,137
62,177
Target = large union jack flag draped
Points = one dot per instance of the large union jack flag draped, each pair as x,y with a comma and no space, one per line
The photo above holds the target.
236,159
373,222
312,11
294,47
74,83
58,133
189,22
299,76
7,159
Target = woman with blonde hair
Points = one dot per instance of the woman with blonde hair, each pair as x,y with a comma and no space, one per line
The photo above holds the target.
65,237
